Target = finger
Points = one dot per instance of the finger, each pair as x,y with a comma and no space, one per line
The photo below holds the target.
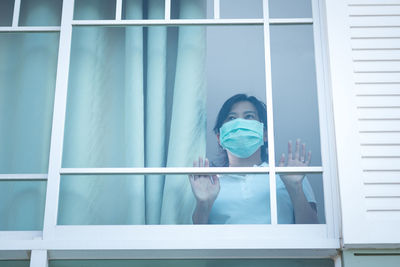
191,178
215,179
200,162
308,158
282,160
195,164
206,163
290,154
297,152
303,152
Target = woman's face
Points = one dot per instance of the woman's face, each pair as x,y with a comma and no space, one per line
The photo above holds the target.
243,110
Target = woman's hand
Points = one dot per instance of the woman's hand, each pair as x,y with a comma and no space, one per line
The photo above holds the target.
205,189
304,211
297,160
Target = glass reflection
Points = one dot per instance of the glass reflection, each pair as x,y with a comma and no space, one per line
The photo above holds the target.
14,263
294,91
6,12
137,96
94,9
290,8
40,13
300,204
241,9
151,9
28,63
22,205
190,9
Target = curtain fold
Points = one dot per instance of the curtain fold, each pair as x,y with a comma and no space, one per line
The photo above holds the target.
187,131
134,111
118,115
144,116
155,110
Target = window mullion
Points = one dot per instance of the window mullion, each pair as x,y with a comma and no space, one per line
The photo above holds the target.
24,177
118,10
39,258
57,134
328,149
217,8
167,9
17,5
270,117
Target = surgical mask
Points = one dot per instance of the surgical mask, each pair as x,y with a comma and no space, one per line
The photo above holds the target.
242,137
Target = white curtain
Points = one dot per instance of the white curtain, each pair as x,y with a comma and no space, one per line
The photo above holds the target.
136,98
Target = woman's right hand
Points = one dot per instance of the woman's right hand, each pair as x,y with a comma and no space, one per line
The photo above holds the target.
205,187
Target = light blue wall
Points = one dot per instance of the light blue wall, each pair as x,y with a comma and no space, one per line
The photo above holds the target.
371,258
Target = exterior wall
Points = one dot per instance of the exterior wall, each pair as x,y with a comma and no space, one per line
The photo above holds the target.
364,52
371,258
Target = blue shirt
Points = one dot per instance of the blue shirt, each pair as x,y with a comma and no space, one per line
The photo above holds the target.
245,199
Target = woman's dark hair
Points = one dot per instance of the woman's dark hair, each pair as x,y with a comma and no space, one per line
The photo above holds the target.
223,114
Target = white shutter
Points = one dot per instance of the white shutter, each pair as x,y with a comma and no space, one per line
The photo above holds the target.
375,41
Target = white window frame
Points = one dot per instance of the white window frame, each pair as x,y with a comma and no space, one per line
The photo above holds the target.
181,241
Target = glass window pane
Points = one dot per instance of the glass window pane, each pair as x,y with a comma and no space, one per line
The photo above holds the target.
235,65
310,199
190,9
161,199
14,263
22,205
138,9
128,99
6,12
241,9
28,63
295,91
290,9
40,13
94,9
196,263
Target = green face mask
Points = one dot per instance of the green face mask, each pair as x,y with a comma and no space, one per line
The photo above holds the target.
242,137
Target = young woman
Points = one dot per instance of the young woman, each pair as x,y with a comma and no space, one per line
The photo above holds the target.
241,130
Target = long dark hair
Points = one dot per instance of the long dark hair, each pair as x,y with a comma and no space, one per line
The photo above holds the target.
223,114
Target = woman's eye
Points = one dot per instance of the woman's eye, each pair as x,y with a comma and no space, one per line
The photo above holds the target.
250,117
230,118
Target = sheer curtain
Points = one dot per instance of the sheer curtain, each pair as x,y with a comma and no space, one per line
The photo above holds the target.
136,98
28,64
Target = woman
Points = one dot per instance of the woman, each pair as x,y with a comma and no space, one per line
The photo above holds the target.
241,131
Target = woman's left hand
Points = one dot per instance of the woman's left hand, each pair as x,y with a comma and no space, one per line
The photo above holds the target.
299,159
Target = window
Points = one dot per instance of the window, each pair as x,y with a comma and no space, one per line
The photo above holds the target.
137,86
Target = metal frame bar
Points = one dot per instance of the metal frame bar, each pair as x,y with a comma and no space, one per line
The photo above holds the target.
167,10
217,9
291,21
39,258
188,170
30,29
270,116
17,7
57,133
24,177
118,10
20,235
170,22
202,22
332,211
